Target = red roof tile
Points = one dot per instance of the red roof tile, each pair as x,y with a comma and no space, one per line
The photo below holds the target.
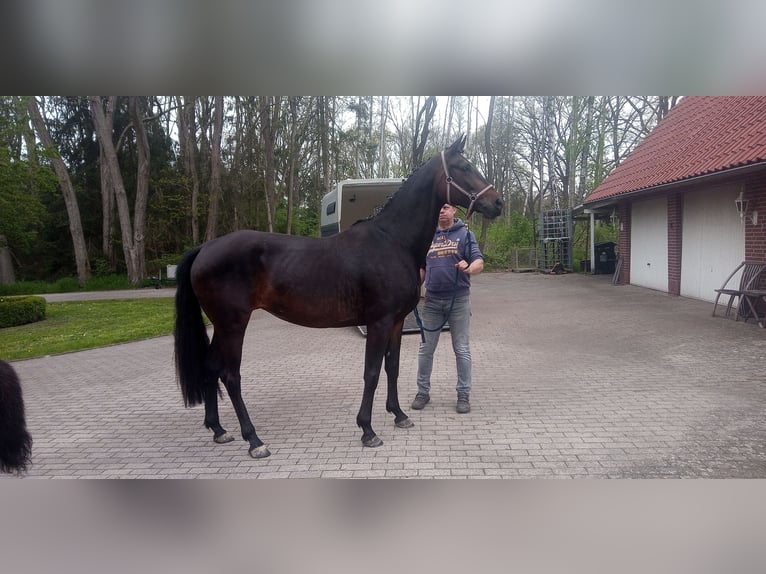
700,136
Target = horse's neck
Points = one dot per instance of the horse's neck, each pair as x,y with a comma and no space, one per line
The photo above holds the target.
412,214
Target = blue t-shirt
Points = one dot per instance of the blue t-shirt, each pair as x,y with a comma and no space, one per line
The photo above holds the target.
448,247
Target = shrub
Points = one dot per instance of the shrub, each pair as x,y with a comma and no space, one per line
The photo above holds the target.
504,238
21,310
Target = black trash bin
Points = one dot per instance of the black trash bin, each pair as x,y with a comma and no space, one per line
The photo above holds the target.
604,257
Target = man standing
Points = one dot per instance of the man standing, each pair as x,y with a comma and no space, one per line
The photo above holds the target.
453,257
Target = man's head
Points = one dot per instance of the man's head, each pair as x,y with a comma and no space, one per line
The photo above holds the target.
447,215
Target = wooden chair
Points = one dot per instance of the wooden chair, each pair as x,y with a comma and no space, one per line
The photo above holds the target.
751,273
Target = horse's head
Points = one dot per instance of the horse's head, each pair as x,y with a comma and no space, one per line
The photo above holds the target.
464,185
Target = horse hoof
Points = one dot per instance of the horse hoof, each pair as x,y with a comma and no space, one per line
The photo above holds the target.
373,442
260,451
224,438
404,423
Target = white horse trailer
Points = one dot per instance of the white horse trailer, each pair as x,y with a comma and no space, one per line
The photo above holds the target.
352,200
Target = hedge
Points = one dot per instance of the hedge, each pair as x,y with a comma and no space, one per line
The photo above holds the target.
21,310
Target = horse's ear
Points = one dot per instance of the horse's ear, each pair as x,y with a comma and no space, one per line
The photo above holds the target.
459,145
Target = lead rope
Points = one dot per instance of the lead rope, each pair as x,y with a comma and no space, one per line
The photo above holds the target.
423,329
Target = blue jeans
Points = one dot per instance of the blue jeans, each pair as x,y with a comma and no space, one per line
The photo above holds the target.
433,314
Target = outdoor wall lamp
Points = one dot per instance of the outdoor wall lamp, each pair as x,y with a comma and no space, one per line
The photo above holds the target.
742,205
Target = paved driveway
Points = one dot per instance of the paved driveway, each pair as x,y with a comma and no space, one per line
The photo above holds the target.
573,377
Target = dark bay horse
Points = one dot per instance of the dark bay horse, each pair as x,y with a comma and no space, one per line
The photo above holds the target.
366,275
15,441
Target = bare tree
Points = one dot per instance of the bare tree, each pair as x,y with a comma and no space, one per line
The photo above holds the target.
216,169
488,140
548,118
132,241
324,142
490,165
585,151
142,186
187,141
421,130
292,159
270,109
107,192
382,156
70,198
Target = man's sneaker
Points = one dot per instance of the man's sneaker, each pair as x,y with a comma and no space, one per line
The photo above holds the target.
420,401
463,406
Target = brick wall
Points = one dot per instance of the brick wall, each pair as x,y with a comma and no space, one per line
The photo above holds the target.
624,211
675,231
755,235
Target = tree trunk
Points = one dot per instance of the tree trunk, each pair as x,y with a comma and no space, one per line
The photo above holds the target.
382,167
616,130
422,129
324,143
123,210
215,171
585,152
292,160
548,122
490,165
107,193
142,187
469,135
488,140
187,140
70,198
270,111
448,121
572,151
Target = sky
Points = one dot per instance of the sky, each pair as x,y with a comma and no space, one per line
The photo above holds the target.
546,47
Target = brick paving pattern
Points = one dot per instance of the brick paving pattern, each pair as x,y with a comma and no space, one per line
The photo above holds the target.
573,378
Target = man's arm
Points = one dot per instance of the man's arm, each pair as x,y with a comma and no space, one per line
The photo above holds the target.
476,266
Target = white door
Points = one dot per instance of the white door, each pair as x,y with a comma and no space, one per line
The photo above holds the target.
713,241
649,244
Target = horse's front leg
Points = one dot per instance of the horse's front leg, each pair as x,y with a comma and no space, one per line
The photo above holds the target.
377,343
401,420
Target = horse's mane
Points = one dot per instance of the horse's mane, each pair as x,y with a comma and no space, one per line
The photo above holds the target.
406,184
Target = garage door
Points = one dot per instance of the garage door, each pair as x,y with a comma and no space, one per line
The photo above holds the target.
713,241
649,244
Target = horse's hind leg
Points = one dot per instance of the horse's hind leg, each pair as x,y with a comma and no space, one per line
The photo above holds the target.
230,349
212,372
401,420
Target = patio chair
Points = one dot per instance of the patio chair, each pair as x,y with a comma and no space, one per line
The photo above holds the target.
751,273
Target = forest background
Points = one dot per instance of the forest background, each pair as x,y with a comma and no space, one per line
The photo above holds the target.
105,185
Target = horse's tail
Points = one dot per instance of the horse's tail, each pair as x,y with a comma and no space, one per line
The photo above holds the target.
191,340
15,441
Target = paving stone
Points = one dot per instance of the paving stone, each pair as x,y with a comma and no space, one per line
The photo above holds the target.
573,378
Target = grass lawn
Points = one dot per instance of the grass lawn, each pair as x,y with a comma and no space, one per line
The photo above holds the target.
77,325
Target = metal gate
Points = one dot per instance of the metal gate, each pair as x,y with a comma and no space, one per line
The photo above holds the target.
556,230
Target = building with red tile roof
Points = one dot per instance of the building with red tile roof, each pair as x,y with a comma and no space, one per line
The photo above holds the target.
678,191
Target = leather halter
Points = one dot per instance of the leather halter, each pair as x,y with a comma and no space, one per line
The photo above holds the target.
472,196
